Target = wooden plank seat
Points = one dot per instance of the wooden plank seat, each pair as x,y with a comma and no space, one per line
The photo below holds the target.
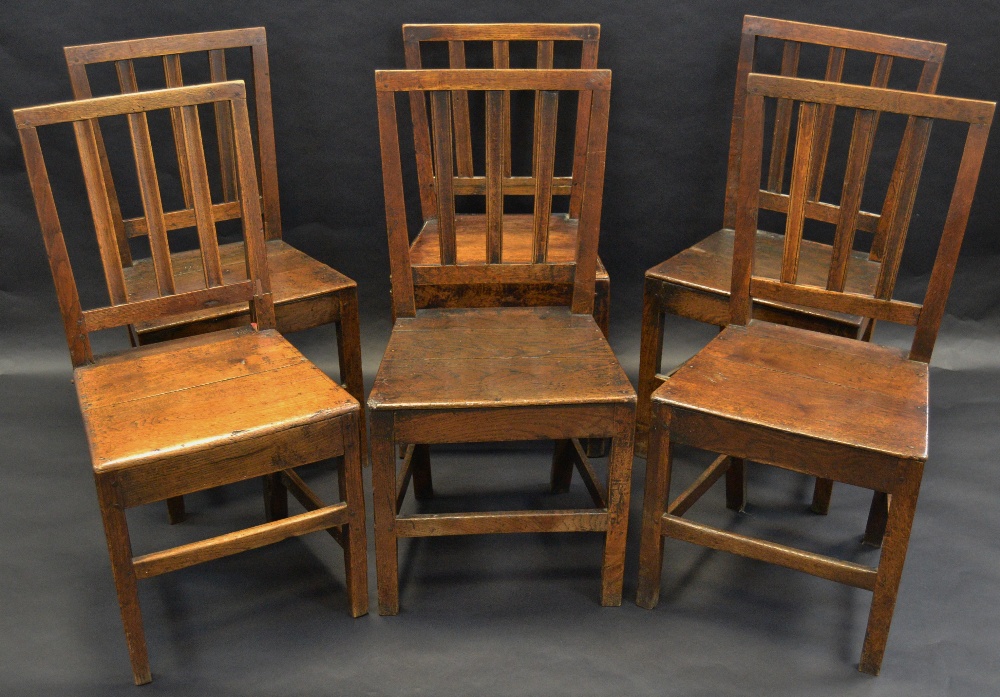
497,357
776,378
239,389
304,290
695,282
470,239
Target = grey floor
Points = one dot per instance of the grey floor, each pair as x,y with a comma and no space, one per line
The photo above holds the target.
500,614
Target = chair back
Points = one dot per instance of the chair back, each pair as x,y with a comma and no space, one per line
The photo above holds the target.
545,37
489,267
212,47
840,45
812,97
84,115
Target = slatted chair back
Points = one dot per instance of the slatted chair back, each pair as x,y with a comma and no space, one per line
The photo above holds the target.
123,310
440,87
500,37
813,97
169,49
898,204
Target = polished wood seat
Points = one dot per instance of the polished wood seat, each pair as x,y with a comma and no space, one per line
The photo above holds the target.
822,387
835,408
695,283
470,239
188,414
304,290
497,357
239,390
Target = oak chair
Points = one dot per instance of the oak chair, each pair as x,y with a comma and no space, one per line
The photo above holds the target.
695,283
307,293
490,374
470,229
811,402
548,41
196,412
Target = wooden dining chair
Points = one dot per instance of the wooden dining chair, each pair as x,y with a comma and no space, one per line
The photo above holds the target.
806,401
695,283
470,229
489,374
187,414
545,44
307,293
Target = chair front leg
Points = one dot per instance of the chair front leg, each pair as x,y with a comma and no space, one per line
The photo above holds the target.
658,462
126,583
384,507
619,493
353,534
650,358
902,507
349,357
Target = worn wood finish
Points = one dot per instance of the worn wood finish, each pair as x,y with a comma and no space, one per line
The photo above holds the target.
307,293
180,416
832,407
497,373
681,280
431,294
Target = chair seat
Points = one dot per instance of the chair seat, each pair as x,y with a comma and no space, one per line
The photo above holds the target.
518,231
814,385
205,392
295,277
708,267
497,357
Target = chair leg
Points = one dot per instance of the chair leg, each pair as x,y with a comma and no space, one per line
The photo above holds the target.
384,508
650,357
355,541
420,464
175,510
563,459
275,497
349,357
600,447
878,515
736,485
126,583
658,461
890,570
619,492
821,496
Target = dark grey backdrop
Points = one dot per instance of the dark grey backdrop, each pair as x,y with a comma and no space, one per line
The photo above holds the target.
493,614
